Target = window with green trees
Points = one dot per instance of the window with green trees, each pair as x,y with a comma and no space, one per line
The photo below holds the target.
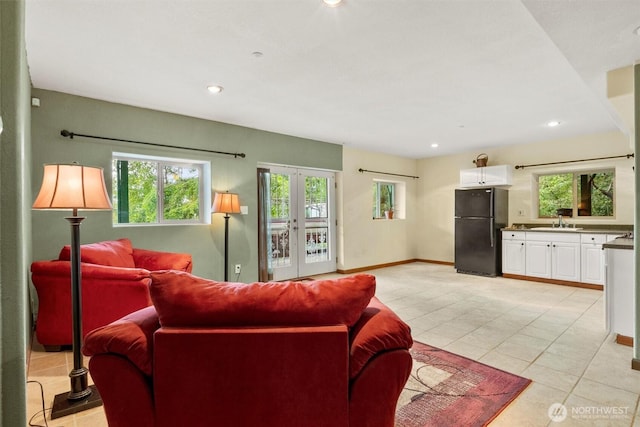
577,194
154,190
383,198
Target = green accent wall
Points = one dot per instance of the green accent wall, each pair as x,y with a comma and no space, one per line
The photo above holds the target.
76,114
15,211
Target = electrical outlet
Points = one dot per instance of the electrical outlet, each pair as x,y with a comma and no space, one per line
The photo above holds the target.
238,268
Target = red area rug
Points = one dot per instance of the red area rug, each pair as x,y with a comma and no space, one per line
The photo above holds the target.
450,390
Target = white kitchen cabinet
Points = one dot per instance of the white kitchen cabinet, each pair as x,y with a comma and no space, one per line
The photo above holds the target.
538,259
592,257
488,176
565,261
553,256
513,252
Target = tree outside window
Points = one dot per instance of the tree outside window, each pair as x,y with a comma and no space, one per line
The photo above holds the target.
578,194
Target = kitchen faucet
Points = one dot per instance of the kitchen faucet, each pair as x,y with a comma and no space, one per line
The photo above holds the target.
560,223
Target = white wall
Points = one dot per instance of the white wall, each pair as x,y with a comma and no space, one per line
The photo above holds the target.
439,177
364,241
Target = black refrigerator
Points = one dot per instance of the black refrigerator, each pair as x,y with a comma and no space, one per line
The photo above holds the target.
480,213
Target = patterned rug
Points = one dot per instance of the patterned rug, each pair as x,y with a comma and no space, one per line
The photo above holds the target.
445,389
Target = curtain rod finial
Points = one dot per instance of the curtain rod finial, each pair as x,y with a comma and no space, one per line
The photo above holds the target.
66,133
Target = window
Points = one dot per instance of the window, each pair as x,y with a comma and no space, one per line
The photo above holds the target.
158,190
389,199
576,194
383,198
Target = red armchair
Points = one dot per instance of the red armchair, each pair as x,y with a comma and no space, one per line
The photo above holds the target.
115,282
314,354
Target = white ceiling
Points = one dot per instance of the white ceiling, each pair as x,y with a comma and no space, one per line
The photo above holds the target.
392,76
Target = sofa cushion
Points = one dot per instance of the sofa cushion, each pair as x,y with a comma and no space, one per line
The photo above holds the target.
116,253
182,299
378,330
156,260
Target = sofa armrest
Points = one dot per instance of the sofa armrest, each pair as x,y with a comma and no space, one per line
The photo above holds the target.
127,393
108,293
157,260
130,337
378,330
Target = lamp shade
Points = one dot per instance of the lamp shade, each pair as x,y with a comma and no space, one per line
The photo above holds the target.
226,203
72,186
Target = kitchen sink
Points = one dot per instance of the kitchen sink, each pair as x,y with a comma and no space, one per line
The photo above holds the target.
556,229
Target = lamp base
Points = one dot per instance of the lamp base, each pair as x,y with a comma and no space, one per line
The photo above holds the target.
62,406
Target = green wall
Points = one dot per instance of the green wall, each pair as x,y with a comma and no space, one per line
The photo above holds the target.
15,201
59,111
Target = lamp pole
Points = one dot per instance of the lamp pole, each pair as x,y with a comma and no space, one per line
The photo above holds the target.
226,246
79,383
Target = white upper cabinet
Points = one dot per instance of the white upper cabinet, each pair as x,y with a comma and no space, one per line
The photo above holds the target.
488,176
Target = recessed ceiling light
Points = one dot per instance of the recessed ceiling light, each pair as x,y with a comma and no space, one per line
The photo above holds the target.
214,88
553,123
332,3
257,54
434,145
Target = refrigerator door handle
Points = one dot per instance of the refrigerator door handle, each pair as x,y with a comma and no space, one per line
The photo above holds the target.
491,233
492,213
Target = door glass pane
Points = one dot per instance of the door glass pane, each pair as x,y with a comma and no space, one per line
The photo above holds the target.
316,208
280,219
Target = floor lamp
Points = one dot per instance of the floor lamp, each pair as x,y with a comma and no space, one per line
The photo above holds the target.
226,203
73,187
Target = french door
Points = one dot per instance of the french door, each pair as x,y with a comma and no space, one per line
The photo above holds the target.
301,222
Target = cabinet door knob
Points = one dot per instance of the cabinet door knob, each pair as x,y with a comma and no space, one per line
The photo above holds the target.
522,244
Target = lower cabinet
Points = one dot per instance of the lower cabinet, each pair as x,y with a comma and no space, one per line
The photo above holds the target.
564,256
538,258
592,260
565,261
554,256
513,253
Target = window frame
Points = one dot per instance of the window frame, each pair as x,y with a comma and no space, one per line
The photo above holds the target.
399,200
574,190
204,188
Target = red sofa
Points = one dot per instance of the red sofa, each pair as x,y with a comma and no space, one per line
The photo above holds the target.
115,282
316,354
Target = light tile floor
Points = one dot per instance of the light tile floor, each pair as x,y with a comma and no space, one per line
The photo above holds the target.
551,334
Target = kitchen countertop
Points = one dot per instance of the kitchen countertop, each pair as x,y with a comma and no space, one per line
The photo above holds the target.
619,243
568,230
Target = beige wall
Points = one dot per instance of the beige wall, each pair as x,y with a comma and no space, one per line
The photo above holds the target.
439,177
364,241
